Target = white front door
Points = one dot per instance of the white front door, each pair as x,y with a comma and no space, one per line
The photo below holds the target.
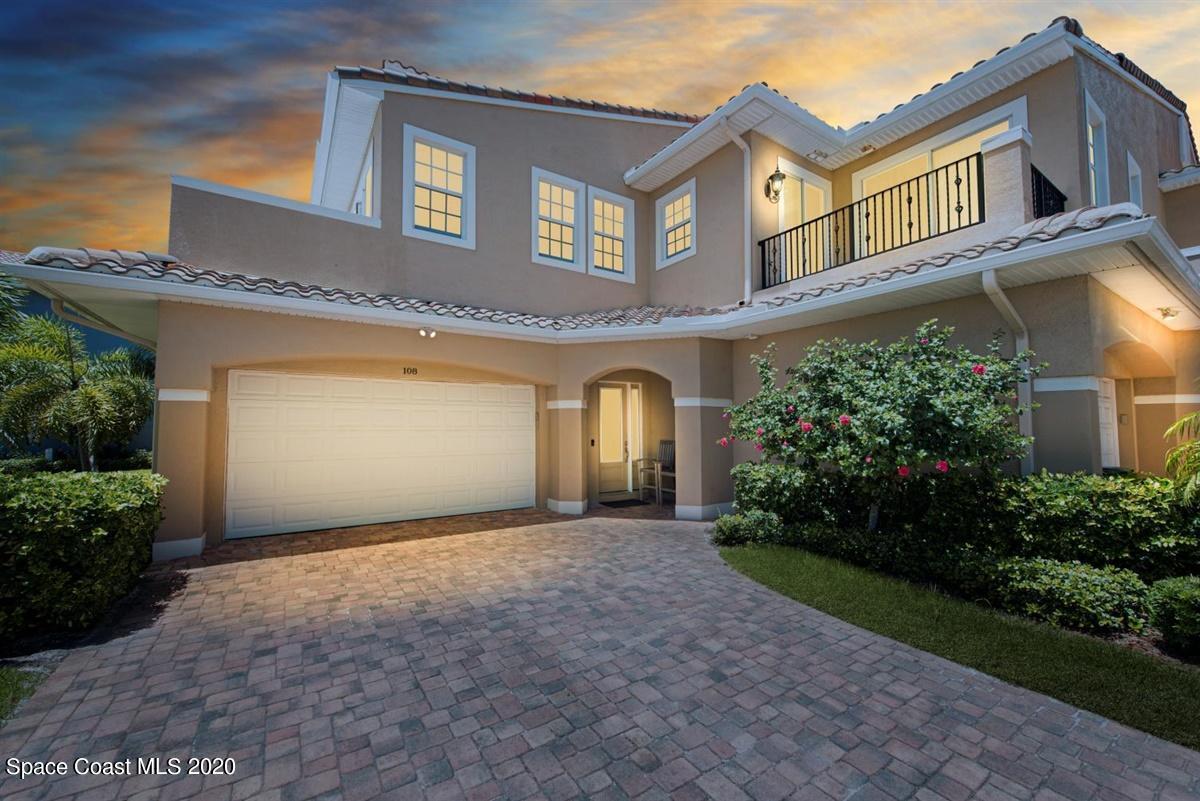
309,452
620,435
1109,451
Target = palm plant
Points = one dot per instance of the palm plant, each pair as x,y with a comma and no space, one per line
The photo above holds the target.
49,386
1183,460
12,295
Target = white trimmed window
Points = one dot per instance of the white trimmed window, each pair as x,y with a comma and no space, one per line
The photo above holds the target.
557,220
439,188
611,253
675,225
1135,180
1097,153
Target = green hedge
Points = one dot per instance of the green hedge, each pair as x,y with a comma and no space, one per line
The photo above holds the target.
1175,611
71,544
1073,595
32,465
1130,522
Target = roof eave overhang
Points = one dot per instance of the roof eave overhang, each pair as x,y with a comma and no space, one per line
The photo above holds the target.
1182,179
1159,253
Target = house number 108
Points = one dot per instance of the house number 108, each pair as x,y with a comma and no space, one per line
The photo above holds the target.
410,371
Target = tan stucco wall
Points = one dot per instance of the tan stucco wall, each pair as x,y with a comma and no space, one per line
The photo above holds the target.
1181,210
198,345
1134,122
228,233
714,275
1053,123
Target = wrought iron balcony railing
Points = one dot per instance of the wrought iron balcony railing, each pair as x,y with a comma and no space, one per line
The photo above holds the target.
946,199
1047,199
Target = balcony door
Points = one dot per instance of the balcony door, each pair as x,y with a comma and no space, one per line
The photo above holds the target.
620,435
805,197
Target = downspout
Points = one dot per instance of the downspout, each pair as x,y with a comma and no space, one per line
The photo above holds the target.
747,252
56,305
1024,389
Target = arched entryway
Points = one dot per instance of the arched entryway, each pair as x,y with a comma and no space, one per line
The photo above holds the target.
629,429
1138,401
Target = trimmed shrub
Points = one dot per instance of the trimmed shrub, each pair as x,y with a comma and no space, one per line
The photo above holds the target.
31,465
71,544
1132,522
752,526
1175,611
1071,594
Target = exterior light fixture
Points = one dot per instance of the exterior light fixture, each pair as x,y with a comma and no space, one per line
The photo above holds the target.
774,185
1168,312
428,332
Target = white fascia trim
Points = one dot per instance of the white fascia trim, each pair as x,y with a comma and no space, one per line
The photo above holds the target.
273,200
367,84
566,404
1068,383
177,549
661,260
411,134
834,137
191,395
577,264
629,239
1180,180
719,403
734,324
709,511
1190,253
1169,399
566,507
321,158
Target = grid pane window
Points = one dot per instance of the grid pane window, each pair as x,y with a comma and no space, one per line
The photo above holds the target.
677,221
556,221
438,189
608,236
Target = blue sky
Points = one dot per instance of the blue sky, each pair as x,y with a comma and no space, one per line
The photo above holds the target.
100,102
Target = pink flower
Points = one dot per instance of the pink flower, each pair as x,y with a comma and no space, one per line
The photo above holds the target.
787,444
979,369
805,426
943,466
724,442
724,415
924,340
759,431
903,471
732,437
791,409
758,446
868,460
844,420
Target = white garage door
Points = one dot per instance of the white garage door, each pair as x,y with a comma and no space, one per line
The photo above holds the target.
310,452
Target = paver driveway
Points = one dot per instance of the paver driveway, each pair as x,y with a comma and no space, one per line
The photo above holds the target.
600,658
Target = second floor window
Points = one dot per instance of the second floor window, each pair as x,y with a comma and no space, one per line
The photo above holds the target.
612,235
558,217
676,225
1135,180
439,188
1097,152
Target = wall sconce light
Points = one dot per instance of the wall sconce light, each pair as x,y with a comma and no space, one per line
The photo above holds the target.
1168,312
774,186
428,332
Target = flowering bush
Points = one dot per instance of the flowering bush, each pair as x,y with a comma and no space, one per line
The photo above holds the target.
891,412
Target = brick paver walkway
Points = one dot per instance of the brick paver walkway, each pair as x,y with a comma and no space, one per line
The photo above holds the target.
595,658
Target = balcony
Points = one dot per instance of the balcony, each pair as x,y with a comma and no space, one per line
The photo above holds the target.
942,201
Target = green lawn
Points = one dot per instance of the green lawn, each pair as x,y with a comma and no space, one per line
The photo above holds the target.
1135,689
15,685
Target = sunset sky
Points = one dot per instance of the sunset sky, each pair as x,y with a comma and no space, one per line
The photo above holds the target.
101,101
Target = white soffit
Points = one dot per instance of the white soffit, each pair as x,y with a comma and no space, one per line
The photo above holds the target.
1138,286
800,131
353,124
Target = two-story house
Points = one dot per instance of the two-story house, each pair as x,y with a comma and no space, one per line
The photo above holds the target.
498,299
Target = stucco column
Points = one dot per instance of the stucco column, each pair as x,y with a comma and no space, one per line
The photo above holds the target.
702,465
568,475
1008,179
180,437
